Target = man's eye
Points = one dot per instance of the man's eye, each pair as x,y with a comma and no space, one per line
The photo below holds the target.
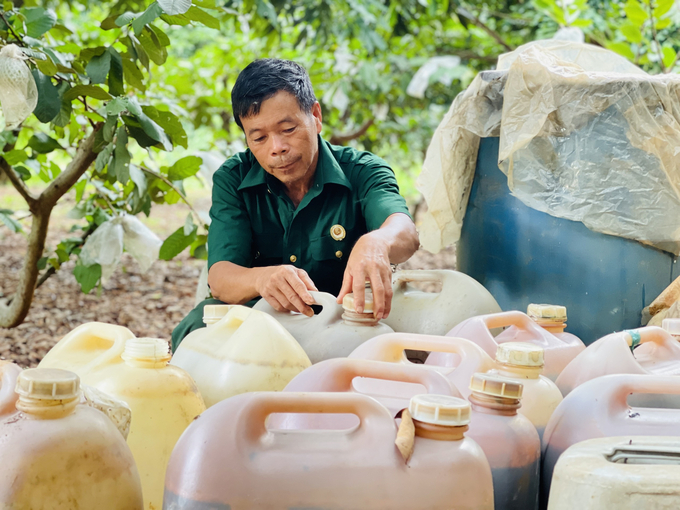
260,139
289,130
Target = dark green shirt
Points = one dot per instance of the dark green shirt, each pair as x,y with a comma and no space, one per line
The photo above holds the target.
255,224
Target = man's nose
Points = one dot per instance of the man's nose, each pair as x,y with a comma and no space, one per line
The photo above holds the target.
278,146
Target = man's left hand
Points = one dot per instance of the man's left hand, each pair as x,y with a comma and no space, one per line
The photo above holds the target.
369,260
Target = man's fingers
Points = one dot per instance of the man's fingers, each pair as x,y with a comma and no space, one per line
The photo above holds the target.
298,290
346,287
307,280
276,304
378,294
358,288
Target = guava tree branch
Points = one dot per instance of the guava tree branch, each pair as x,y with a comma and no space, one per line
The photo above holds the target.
14,312
18,184
340,139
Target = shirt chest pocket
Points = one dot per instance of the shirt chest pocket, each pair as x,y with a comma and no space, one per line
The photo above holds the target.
267,247
326,248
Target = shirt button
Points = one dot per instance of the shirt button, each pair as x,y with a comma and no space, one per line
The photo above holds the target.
293,259
338,254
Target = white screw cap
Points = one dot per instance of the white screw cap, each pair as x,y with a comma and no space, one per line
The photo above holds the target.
146,349
556,313
520,354
671,325
496,386
348,302
48,384
213,313
440,410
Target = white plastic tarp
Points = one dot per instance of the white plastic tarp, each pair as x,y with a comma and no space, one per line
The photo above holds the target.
584,135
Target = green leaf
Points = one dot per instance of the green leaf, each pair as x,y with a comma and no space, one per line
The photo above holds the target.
622,49
176,243
116,85
170,123
98,67
110,127
148,16
47,67
43,144
662,7
89,91
663,23
160,35
174,7
669,56
199,248
80,189
157,53
180,20
103,158
49,103
139,178
87,276
189,225
133,75
109,23
116,106
64,116
133,106
122,156
631,32
154,131
582,23
14,157
125,19
135,130
207,4
38,20
635,12
199,15
141,52
172,197
23,172
88,53
42,263
185,167
10,222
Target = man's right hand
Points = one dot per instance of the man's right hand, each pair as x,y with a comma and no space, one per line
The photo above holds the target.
287,288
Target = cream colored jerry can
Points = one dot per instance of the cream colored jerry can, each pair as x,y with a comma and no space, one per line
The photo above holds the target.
333,333
245,350
428,313
618,472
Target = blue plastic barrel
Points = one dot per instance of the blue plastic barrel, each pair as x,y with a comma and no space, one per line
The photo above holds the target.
524,256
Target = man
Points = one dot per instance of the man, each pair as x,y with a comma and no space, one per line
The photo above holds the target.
294,213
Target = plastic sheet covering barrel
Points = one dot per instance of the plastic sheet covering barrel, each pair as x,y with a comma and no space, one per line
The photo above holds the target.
582,136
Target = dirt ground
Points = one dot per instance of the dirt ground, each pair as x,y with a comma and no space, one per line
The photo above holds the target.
149,304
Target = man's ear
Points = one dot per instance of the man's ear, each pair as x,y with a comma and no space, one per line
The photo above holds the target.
318,117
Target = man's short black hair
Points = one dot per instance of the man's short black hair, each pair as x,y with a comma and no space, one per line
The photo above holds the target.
262,79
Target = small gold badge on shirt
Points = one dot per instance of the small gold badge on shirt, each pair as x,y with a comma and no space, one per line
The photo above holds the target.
338,232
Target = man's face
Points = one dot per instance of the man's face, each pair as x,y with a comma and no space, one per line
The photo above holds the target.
283,138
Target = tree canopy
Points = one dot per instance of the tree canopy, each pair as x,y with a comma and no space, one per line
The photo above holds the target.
130,91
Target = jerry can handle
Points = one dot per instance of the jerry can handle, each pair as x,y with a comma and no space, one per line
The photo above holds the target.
391,346
655,334
340,372
627,384
252,421
511,318
328,302
644,454
421,275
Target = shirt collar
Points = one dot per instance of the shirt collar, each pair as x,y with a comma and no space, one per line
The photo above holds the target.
328,170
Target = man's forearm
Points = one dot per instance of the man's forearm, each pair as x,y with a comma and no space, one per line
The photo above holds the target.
400,235
234,284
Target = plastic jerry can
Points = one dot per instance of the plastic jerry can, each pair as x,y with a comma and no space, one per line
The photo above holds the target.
335,331
553,318
390,384
599,408
509,440
90,345
672,327
649,350
9,372
211,315
245,350
163,399
415,311
459,359
618,472
230,459
523,362
58,455
520,328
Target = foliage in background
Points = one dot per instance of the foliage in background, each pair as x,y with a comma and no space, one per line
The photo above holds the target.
130,91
